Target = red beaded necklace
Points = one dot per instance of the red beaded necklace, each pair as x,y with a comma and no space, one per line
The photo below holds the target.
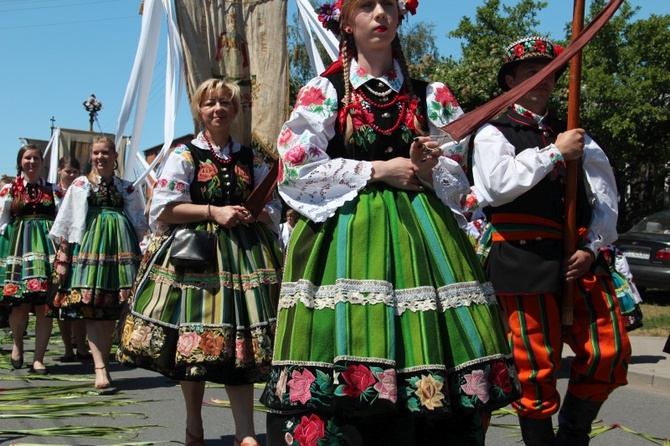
216,156
38,198
401,114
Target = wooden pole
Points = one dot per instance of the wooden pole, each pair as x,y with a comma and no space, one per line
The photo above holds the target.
570,220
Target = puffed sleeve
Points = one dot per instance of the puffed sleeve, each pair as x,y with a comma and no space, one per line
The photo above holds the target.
500,175
173,184
70,222
133,208
5,207
309,180
449,178
601,190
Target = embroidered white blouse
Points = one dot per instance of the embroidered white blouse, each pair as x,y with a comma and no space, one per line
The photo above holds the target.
178,172
500,176
70,222
316,185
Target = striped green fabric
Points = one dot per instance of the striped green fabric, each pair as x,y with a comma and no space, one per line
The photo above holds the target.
396,247
109,254
29,261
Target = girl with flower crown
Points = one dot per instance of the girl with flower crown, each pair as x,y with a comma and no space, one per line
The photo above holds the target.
28,210
387,332
102,216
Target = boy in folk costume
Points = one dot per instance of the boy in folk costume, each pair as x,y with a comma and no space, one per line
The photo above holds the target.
519,172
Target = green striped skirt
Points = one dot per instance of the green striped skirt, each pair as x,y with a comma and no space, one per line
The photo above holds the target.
384,308
29,261
104,268
215,325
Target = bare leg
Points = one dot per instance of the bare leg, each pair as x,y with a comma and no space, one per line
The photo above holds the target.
100,342
18,321
43,327
79,331
65,328
193,391
242,405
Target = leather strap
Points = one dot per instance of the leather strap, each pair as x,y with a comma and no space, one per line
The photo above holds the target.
262,192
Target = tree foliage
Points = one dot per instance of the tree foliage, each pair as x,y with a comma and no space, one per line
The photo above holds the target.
626,106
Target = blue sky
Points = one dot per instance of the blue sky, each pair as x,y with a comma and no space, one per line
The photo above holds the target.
58,52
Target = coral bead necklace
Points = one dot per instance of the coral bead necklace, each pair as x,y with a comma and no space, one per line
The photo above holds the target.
216,156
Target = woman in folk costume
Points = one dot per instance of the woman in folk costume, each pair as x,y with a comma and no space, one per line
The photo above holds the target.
386,329
103,216
215,323
28,211
69,170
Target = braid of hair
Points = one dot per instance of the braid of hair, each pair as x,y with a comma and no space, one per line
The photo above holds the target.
348,129
400,55
17,191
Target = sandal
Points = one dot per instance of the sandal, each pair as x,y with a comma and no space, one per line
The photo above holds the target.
192,440
68,358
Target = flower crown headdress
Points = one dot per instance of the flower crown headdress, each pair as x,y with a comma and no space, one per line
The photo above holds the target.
329,13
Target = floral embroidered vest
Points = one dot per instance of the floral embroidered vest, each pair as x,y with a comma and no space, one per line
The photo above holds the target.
222,184
105,194
369,143
36,200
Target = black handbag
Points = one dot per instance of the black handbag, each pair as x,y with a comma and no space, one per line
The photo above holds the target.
193,248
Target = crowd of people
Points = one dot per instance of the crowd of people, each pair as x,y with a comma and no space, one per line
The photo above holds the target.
368,313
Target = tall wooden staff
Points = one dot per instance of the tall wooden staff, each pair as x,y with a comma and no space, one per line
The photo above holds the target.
570,220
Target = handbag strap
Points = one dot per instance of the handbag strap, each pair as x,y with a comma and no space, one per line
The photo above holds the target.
261,193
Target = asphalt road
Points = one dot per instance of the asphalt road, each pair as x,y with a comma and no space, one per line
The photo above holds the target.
153,405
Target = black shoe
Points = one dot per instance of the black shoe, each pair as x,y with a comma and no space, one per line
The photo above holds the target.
68,358
42,372
16,363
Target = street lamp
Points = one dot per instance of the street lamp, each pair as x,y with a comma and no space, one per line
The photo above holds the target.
92,106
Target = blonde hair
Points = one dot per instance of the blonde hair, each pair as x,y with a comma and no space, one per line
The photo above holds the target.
211,85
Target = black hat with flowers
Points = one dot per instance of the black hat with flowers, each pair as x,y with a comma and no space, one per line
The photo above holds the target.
529,48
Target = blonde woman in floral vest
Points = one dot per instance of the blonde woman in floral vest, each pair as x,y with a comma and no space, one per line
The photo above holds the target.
215,322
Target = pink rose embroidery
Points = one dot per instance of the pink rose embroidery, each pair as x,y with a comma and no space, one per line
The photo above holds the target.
285,136
296,156
299,386
386,387
311,96
33,285
187,342
476,384
206,172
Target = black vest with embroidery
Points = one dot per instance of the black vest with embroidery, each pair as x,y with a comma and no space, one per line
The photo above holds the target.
534,266
222,184
382,147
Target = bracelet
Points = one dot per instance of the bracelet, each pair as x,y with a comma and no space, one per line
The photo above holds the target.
208,216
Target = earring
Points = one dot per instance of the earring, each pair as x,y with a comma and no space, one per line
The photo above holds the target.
348,30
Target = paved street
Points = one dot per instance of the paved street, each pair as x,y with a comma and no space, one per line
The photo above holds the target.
154,405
